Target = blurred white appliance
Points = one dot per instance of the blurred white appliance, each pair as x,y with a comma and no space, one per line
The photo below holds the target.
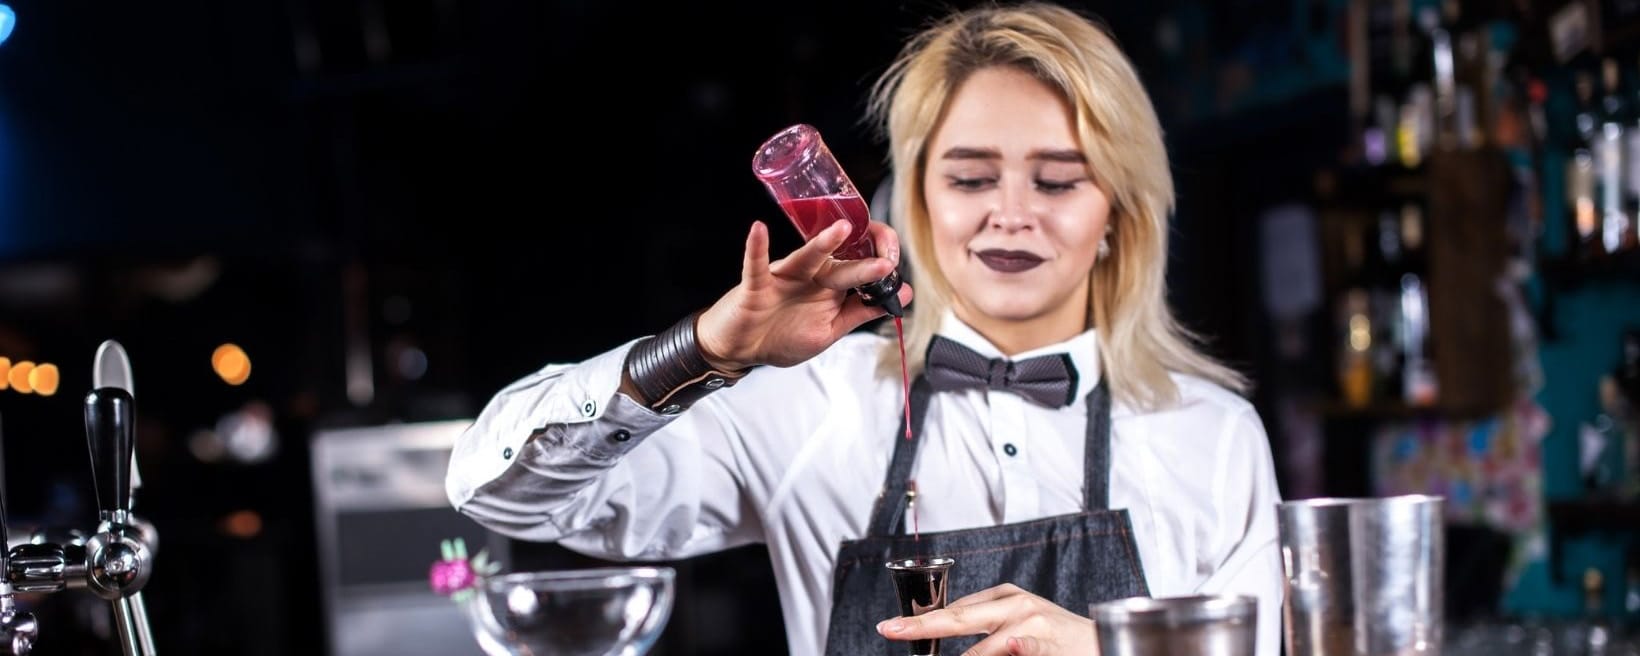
381,512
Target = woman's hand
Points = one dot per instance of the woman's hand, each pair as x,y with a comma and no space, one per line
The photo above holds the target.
1018,623
788,311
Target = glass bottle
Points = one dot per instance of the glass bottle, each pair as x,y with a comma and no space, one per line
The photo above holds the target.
811,187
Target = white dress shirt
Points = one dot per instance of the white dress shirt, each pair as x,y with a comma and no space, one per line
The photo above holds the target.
795,457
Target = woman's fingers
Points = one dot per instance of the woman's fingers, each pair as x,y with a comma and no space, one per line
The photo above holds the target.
755,268
1025,646
947,622
988,594
806,261
886,240
993,645
850,274
843,275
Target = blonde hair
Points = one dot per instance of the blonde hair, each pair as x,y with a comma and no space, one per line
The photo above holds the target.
1141,342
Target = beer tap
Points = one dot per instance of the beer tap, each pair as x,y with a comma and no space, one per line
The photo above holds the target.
116,561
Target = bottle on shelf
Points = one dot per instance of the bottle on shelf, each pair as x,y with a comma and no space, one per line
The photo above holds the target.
1613,192
1355,366
1597,639
1419,386
1386,67
1441,74
1581,169
1602,443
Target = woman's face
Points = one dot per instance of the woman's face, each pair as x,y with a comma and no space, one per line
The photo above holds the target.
1016,216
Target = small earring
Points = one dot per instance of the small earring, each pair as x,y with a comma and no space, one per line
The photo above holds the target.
1104,247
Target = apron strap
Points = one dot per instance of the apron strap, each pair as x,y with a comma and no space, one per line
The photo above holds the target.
1096,457
888,515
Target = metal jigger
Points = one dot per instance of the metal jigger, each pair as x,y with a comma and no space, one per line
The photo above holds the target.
921,584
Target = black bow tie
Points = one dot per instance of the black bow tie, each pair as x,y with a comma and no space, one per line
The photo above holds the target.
1049,380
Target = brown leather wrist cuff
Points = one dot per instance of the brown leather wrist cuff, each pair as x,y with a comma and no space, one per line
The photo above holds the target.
669,371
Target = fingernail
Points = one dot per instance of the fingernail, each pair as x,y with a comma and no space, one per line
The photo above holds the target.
894,255
891,626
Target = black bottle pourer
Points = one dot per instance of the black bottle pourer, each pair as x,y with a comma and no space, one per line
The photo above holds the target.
883,293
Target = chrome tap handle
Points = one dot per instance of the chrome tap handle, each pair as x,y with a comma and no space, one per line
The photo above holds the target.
118,561
121,556
46,567
110,431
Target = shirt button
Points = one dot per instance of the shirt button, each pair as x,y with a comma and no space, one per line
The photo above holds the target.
620,435
1010,449
714,383
672,409
506,454
589,408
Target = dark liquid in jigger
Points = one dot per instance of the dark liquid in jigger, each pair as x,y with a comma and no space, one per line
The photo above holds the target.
921,587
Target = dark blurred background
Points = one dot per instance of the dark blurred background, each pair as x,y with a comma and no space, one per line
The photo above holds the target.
396,207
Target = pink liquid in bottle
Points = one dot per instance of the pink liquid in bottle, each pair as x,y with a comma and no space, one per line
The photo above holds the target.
812,215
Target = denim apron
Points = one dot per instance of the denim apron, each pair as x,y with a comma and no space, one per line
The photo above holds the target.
1072,560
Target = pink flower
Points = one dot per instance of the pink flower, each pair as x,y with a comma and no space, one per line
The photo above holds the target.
451,576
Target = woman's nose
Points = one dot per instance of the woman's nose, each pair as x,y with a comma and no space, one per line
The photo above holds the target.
1012,212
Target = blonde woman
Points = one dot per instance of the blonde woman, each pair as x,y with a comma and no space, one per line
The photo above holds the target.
1070,444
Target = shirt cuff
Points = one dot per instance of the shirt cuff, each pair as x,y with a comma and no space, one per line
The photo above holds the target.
623,425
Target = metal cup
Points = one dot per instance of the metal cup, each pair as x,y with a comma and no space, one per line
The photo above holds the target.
1205,625
1363,576
921,585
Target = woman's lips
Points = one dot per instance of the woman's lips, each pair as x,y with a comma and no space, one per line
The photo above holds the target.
1009,261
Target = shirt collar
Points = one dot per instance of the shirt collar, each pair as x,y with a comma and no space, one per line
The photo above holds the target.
1083,350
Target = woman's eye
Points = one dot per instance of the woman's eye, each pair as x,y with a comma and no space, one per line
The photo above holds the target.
971,184
1056,186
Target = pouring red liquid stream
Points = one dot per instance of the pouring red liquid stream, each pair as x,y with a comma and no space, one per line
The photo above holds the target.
905,378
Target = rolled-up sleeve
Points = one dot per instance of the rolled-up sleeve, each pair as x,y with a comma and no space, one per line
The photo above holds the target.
556,456
1247,557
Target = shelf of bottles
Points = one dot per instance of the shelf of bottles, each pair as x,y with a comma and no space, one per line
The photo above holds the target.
1445,94
1469,119
1404,81
1602,150
1493,145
